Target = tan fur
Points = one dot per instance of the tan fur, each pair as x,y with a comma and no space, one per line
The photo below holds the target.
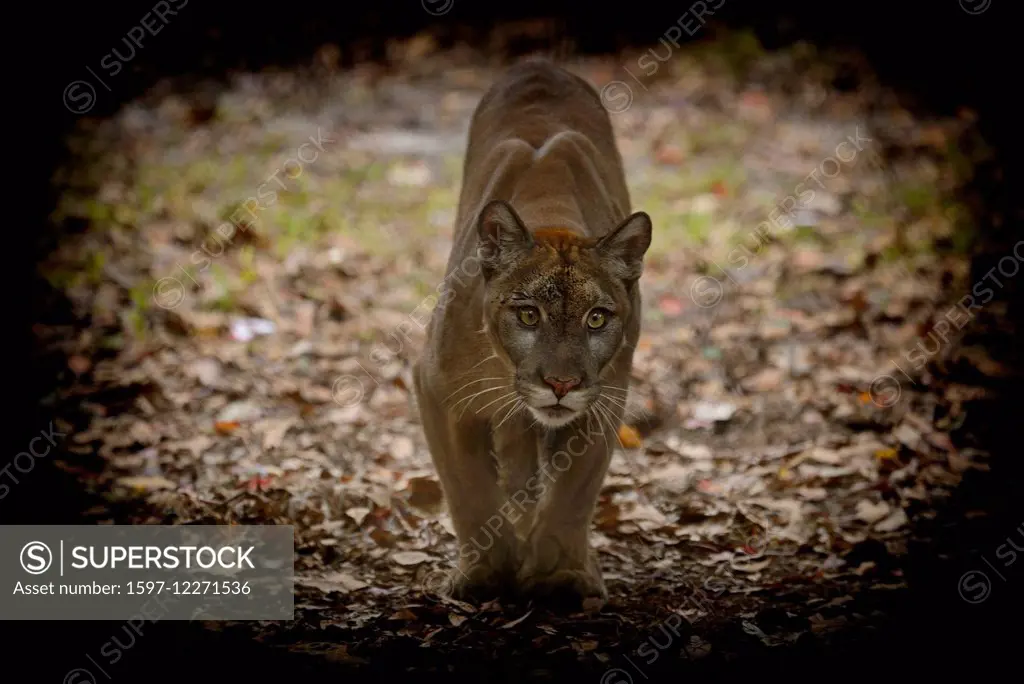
541,142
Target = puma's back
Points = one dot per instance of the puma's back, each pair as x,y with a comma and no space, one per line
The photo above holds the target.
533,102
541,132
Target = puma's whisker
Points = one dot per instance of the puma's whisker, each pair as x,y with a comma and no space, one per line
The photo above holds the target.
604,432
609,416
503,396
477,394
485,360
471,382
514,410
631,412
627,392
510,401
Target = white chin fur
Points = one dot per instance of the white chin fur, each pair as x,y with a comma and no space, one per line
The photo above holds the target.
553,422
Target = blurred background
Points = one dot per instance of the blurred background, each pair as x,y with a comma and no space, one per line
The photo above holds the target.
244,213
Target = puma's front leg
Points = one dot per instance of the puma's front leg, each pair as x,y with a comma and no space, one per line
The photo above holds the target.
487,546
558,560
518,465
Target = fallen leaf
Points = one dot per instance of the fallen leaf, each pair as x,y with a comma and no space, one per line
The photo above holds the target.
275,430
895,521
629,437
226,427
425,493
340,582
669,155
340,654
410,557
305,318
402,448
741,565
712,412
907,436
698,452
404,614
865,567
79,364
358,514
206,371
672,475
813,493
147,482
980,358
259,482
752,629
382,537
245,329
671,306
871,512
822,455
403,174
886,454
240,411
644,512
513,623
768,380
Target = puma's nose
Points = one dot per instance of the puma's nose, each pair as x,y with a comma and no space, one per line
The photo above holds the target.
562,386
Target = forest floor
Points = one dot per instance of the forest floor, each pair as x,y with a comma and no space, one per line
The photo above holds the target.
807,276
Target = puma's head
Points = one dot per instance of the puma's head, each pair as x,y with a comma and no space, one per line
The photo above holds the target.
560,307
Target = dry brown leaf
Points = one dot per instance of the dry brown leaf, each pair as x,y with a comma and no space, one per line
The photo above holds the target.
404,614
383,538
79,364
425,493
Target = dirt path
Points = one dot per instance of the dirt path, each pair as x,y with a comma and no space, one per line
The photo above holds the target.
806,278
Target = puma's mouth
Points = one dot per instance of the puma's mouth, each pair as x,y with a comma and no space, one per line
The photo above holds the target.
557,411
554,416
557,414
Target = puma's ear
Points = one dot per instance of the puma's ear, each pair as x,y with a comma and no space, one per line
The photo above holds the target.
502,235
624,247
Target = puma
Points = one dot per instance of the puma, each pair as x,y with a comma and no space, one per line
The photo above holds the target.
522,382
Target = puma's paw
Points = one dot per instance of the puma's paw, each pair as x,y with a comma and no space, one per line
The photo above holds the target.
568,589
481,583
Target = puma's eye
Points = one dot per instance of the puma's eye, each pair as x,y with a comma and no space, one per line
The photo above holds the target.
597,319
529,316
